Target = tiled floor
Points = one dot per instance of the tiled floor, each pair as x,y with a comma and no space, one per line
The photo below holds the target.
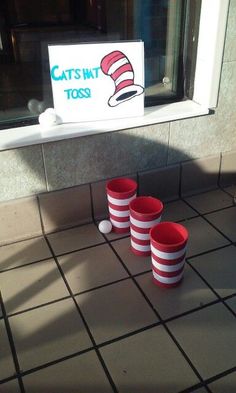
79,311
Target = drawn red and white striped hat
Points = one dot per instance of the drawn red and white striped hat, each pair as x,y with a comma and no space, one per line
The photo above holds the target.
119,68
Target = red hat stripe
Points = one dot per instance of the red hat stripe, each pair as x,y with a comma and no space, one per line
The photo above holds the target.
112,58
124,84
117,64
120,70
129,75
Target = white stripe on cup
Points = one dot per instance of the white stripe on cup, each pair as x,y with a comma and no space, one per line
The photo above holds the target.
140,236
167,280
144,224
168,255
120,202
139,247
118,224
168,268
119,213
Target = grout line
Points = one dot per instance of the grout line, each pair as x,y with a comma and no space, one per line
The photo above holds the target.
101,286
217,229
194,193
138,182
130,334
220,375
10,315
21,240
54,362
91,202
40,216
219,172
25,264
119,238
121,280
184,199
223,188
195,388
203,216
208,251
221,300
113,386
9,379
180,180
215,210
161,320
44,168
79,249
192,311
12,345
67,228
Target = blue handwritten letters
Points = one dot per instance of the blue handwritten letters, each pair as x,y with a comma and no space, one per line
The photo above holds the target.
69,74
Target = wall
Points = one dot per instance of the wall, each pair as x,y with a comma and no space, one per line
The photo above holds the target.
52,166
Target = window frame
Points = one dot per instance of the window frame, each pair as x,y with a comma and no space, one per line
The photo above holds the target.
206,87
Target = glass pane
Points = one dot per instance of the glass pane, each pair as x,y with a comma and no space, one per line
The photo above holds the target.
26,29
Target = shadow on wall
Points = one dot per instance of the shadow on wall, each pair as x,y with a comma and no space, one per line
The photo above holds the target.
86,160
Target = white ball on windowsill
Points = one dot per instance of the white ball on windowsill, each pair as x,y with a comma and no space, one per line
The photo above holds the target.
48,118
105,226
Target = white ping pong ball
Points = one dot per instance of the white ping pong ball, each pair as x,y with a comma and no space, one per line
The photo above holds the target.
105,226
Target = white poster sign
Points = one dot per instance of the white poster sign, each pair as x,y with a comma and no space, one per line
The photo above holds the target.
97,81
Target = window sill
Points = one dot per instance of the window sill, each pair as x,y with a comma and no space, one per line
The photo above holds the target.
35,134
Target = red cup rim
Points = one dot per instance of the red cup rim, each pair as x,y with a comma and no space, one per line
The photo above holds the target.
146,207
168,235
122,187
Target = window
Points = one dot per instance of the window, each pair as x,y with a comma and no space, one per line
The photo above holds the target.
166,27
212,29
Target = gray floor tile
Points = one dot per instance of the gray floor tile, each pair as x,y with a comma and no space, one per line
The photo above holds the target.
80,374
231,190
191,293
232,303
114,236
208,337
7,368
75,238
200,174
31,285
65,208
10,387
134,263
224,385
202,236
91,267
23,252
176,211
19,218
148,362
225,221
209,201
115,310
48,333
219,269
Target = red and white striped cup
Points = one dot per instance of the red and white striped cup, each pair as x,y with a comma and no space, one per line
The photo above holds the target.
120,192
145,212
168,247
